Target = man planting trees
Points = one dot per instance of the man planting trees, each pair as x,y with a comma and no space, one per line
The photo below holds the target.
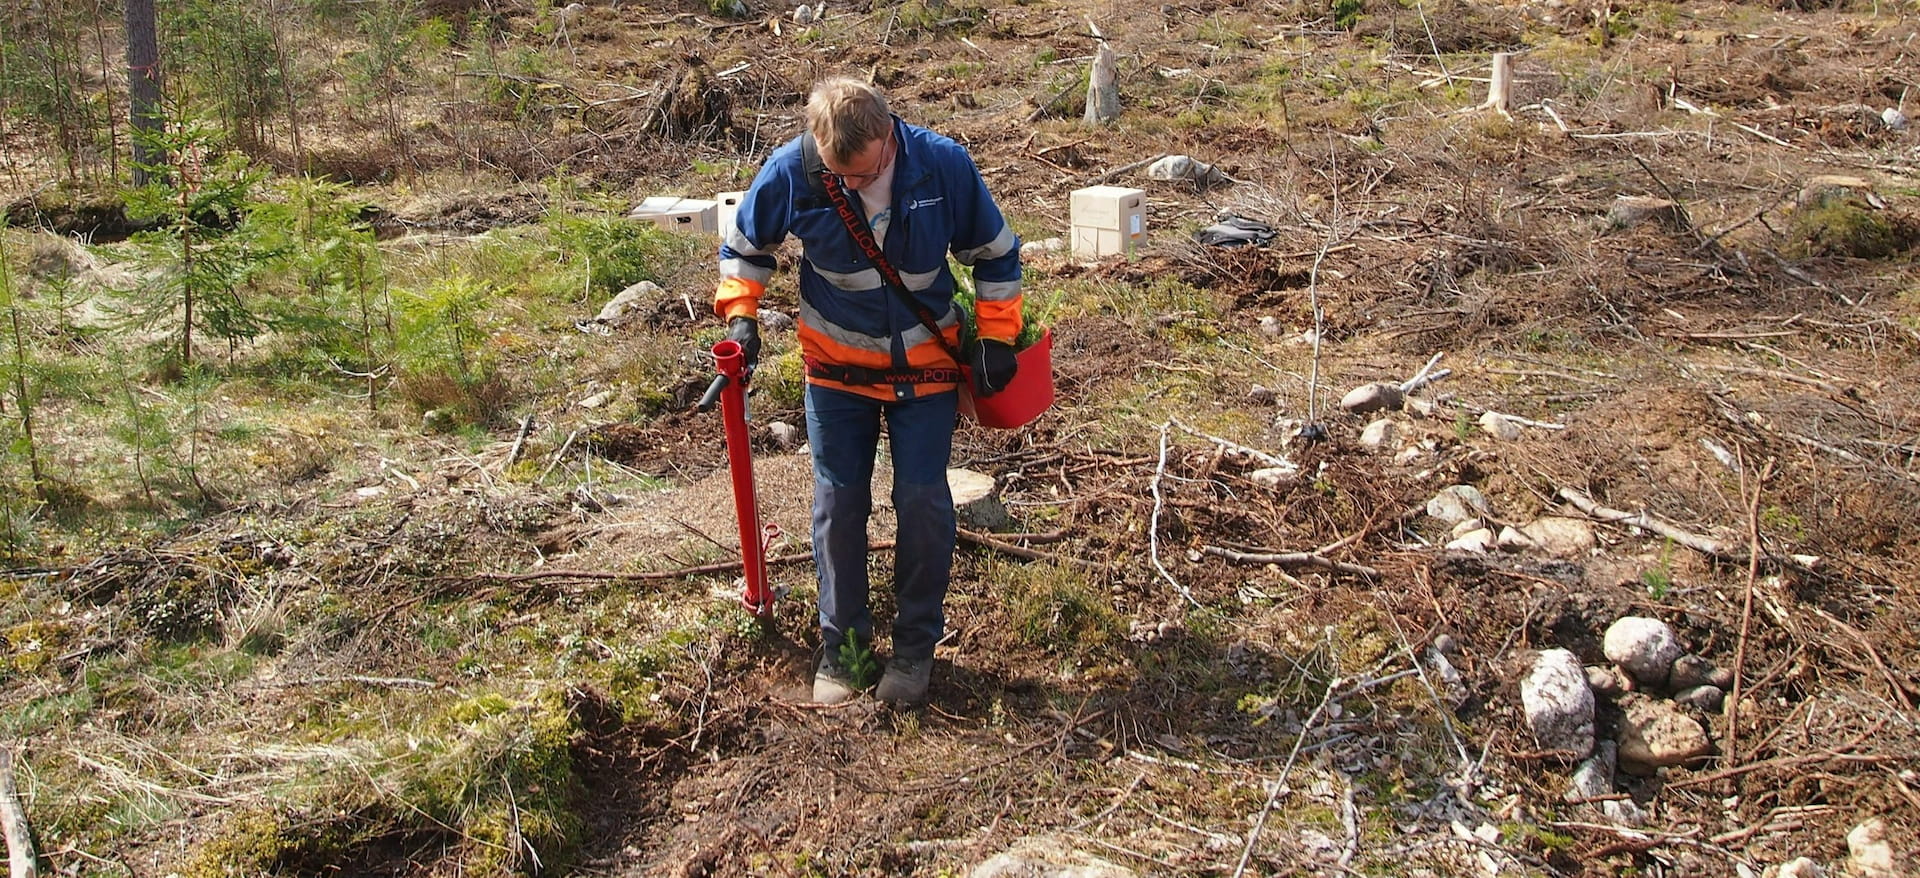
877,205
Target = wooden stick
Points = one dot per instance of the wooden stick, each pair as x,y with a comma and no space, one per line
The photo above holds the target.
1696,542
558,455
519,443
1294,560
13,821
1732,750
1104,178
988,542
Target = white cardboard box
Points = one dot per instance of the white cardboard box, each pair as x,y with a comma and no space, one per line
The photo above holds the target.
1110,207
679,214
729,202
1092,242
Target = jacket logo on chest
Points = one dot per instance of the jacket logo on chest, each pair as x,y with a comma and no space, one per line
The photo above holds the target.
918,203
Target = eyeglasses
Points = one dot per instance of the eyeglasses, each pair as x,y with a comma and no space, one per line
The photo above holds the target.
855,181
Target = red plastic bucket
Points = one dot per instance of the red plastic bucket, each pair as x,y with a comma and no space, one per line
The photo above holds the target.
1030,393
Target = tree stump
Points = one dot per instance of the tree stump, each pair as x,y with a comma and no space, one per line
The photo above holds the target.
976,501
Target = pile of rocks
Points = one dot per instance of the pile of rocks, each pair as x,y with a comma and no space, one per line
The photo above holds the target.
1656,691
1471,517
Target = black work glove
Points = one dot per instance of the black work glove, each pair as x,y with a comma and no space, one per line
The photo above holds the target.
993,365
746,331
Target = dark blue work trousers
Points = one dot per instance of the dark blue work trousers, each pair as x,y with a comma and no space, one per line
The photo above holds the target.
844,430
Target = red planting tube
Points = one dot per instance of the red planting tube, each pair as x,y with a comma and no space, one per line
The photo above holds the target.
732,387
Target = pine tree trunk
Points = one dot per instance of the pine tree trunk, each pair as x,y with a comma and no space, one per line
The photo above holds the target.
143,88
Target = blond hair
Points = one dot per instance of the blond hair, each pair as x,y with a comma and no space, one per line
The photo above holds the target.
844,115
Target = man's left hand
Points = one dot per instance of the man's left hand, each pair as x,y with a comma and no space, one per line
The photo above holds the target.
994,365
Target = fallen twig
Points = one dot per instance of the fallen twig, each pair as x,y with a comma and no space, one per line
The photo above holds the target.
1696,542
1292,561
1746,611
1108,176
389,682
519,443
988,541
1280,783
13,821
1153,523
558,456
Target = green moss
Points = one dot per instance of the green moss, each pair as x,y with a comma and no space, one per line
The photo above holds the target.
1058,610
1848,227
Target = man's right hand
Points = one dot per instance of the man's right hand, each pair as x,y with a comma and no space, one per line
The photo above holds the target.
746,332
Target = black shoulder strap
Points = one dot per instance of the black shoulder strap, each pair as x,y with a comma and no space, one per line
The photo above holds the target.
813,167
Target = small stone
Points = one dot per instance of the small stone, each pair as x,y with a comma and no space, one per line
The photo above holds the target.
774,321
1721,677
1558,704
1645,647
803,14
1499,426
1561,537
626,302
1654,734
1467,527
1407,455
1604,682
1802,868
1704,698
1451,684
1276,477
1183,168
1625,812
1632,210
597,400
1260,394
1036,248
1271,325
1594,777
1372,398
1382,432
1690,671
1309,338
784,434
1896,120
1478,542
1446,644
1868,853
1458,503
1511,540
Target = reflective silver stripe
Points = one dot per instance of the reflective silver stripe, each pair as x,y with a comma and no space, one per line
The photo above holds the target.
995,290
919,335
913,337
811,318
869,279
1001,245
745,270
738,241
857,282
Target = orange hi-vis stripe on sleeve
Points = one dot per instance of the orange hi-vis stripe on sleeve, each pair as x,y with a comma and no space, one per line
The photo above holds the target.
999,320
738,297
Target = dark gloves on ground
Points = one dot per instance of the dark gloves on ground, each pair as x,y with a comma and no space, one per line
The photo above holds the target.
746,331
993,366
